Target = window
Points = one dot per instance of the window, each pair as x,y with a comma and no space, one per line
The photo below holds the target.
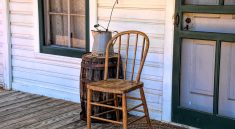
64,27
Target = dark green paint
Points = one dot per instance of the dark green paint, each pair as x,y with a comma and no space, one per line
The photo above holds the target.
202,120
188,116
221,2
217,77
207,36
63,51
213,9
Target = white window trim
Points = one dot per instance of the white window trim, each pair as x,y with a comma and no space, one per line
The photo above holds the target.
93,20
168,61
7,72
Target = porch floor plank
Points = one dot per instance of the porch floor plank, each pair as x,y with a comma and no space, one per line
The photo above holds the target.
34,103
32,117
12,97
63,121
48,118
20,110
27,112
75,125
18,102
4,93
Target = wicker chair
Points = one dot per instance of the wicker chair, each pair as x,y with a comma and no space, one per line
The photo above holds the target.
120,87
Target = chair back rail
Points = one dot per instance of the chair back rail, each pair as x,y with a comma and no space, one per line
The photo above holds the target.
144,51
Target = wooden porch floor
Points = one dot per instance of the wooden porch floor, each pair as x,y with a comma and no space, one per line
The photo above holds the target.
27,111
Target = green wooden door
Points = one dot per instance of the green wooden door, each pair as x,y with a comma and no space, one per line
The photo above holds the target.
204,64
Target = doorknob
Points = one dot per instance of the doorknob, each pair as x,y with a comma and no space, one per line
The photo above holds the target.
188,21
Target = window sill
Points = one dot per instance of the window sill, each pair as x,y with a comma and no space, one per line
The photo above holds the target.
68,52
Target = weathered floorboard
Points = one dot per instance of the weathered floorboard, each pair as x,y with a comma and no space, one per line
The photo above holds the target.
20,110
62,122
34,103
75,125
48,124
27,113
2,94
47,118
18,102
33,117
12,97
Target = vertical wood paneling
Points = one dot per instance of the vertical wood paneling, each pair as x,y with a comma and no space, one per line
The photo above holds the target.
129,15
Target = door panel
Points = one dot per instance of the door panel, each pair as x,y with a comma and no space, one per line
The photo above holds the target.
229,2
202,2
227,81
197,74
210,22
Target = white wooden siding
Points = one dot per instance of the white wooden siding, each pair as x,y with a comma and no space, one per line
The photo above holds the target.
48,75
149,17
1,42
57,76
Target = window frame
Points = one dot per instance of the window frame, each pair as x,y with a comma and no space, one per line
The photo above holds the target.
56,50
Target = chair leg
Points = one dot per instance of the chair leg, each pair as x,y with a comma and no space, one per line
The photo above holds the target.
124,111
145,107
116,105
89,96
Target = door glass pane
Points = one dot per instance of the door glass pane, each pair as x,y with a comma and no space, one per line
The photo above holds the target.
227,81
202,2
229,2
59,30
221,23
197,74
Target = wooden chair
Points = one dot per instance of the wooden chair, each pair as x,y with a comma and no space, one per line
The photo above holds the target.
120,87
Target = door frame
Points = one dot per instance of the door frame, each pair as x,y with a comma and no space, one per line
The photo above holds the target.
7,59
168,61
189,116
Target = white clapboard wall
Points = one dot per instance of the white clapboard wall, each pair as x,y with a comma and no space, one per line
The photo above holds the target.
1,42
49,75
58,77
149,17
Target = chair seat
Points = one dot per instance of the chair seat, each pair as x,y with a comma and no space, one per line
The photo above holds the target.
117,86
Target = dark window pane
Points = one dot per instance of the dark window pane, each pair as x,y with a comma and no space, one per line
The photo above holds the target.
78,31
58,6
59,30
78,7
65,27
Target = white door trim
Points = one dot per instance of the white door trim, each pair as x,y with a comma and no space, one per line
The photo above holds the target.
168,61
7,64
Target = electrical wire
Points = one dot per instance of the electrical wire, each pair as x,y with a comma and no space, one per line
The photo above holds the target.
110,18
